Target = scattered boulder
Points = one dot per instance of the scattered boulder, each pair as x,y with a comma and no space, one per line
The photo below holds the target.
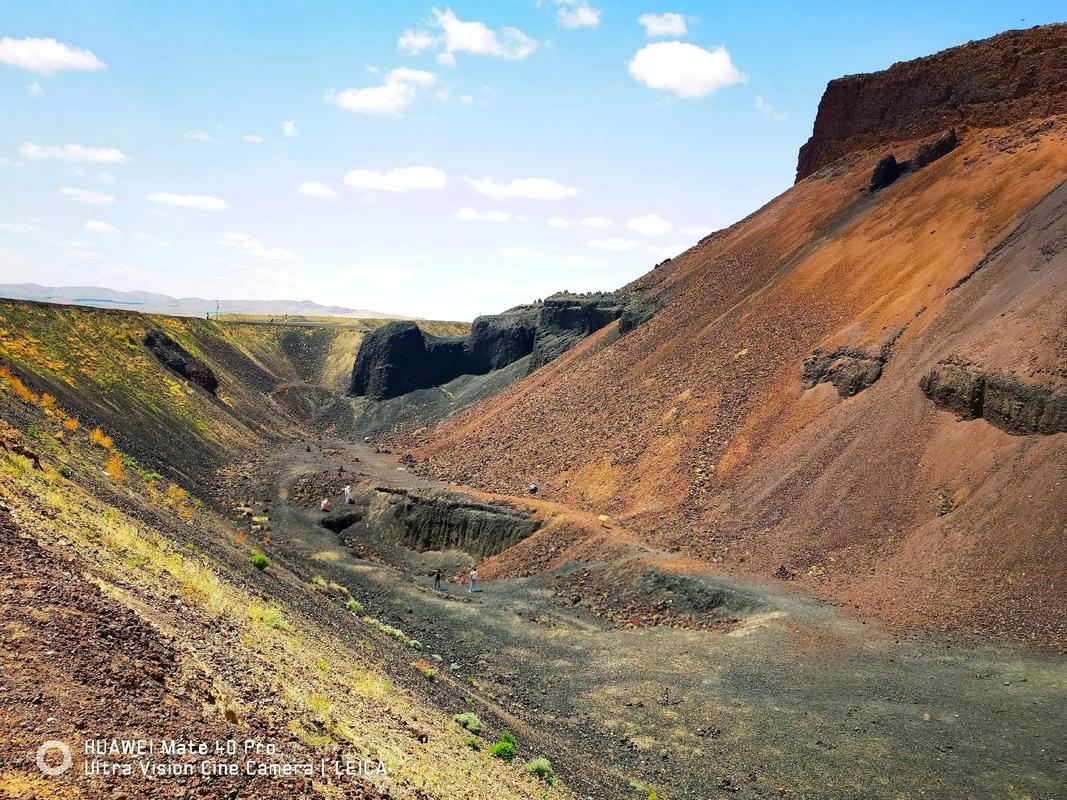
1004,401
929,152
888,169
850,370
885,172
178,360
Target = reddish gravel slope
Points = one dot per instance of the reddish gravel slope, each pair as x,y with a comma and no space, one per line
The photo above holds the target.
697,429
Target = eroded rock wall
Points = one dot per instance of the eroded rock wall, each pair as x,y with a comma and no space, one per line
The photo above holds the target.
998,81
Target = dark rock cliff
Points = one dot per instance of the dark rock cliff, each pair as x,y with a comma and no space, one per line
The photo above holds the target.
399,358
998,81
1002,400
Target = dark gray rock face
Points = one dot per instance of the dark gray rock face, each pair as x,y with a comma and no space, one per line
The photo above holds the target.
497,340
848,369
1011,404
399,358
566,320
180,361
424,521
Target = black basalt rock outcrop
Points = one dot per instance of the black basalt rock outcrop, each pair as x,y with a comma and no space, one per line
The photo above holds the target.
848,369
1004,401
888,169
180,361
399,358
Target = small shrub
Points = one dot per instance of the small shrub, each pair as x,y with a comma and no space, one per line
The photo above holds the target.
354,606
474,744
505,751
319,581
542,769
508,737
70,424
99,438
114,468
259,561
273,618
63,470
426,668
468,720
415,644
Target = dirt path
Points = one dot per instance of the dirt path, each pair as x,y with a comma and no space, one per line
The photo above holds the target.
799,700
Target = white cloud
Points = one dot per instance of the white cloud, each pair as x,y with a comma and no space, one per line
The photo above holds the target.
35,89
74,153
46,56
666,250
614,244
658,25
521,251
88,196
651,225
459,36
415,42
289,130
7,162
769,111
105,177
204,202
684,69
473,215
528,188
577,14
18,227
700,231
316,189
200,136
446,59
255,138
96,226
401,179
399,91
558,222
144,237
583,262
466,99
595,222
255,248
83,255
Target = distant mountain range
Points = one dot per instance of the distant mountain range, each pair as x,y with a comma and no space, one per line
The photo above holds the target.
151,303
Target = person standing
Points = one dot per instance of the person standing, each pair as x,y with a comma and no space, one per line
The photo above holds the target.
437,579
325,504
348,494
474,579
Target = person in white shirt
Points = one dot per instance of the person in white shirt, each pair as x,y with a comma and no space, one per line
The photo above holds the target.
474,580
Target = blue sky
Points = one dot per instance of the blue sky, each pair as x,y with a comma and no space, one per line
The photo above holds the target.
440,161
